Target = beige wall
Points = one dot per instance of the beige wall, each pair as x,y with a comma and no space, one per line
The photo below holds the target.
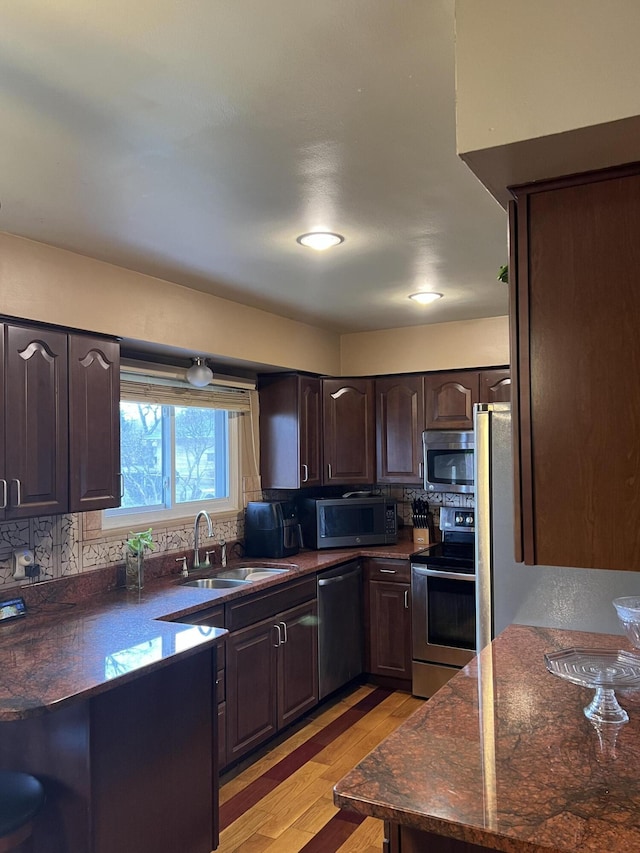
469,343
564,74
38,282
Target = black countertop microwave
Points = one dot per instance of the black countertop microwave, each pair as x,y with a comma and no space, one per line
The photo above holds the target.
348,522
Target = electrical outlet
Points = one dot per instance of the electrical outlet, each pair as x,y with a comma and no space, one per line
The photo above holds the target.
32,571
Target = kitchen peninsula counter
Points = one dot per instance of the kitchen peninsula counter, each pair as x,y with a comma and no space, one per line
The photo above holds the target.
71,646
503,758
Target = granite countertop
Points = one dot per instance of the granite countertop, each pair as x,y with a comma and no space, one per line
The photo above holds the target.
503,757
70,648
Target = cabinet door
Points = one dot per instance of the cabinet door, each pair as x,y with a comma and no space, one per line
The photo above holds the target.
389,629
309,431
251,673
35,414
348,431
450,399
577,358
495,386
94,423
399,426
290,424
298,663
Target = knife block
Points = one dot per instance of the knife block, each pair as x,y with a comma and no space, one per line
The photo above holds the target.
421,536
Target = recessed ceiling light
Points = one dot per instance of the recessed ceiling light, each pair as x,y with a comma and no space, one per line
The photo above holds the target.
424,297
320,240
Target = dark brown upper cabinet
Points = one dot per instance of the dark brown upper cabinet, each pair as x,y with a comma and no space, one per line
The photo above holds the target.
575,304
495,386
94,423
349,431
59,432
290,431
400,419
35,451
450,398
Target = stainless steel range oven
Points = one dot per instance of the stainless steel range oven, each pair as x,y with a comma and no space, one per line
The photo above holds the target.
443,601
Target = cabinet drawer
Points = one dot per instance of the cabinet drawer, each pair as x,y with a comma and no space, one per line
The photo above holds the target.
387,570
248,611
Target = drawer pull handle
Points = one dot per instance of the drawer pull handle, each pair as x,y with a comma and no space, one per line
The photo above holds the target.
284,631
279,643
305,469
406,599
18,492
4,494
387,571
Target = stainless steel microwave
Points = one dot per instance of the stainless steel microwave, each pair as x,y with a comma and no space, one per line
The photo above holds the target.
347,522
448,460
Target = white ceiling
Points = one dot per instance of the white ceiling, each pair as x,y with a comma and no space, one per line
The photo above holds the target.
195,139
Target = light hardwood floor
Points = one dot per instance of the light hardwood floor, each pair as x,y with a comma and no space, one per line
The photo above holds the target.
283,801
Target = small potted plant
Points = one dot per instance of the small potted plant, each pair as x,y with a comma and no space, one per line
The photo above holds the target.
137,544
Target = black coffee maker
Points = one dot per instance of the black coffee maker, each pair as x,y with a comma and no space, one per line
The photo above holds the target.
271,529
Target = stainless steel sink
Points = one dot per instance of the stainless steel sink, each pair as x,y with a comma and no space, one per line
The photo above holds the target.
246,574
216,583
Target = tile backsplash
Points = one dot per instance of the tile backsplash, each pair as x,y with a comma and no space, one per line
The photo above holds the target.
65,545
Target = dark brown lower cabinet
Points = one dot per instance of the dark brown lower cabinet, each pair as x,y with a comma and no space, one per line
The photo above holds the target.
251,687
388,608
404,839
272,676
132,769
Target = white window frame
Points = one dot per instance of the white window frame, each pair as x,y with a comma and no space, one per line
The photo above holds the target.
218,507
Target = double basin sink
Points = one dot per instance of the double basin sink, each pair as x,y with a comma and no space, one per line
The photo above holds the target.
238,576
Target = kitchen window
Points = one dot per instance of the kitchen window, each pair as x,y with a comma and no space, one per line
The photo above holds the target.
180,449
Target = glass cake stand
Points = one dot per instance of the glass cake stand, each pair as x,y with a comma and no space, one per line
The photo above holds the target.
604,670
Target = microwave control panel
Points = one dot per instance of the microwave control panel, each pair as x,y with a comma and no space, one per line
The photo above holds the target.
390,520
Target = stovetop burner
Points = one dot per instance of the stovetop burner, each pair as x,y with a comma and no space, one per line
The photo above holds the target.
448,556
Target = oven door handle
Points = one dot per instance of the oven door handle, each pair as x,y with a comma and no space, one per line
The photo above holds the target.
434,573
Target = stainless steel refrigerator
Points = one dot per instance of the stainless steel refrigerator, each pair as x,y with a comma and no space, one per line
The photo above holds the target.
508,592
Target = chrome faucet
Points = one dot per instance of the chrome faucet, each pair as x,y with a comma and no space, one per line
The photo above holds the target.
196,555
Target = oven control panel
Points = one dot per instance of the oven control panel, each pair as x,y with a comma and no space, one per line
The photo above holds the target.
457,518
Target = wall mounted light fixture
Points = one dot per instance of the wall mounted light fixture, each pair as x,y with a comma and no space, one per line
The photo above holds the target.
199,374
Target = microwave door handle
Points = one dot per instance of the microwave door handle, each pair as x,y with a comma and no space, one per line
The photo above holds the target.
434,573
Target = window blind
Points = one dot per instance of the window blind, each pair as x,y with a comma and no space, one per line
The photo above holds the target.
167,389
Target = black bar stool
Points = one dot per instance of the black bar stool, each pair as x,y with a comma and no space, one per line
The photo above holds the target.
21,797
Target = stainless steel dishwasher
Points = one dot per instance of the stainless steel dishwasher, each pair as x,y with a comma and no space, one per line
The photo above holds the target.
340,640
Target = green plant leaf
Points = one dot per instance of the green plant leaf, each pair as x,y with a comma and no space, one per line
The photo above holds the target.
503,274
138,542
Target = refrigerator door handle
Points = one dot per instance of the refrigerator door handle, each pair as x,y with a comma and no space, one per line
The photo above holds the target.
434,573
